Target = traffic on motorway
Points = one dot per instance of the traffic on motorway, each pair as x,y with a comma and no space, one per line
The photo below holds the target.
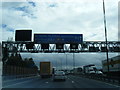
71,81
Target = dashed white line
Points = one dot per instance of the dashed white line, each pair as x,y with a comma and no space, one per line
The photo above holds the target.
73,82
20,79
46,82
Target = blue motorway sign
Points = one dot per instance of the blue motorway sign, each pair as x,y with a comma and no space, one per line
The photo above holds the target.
58,38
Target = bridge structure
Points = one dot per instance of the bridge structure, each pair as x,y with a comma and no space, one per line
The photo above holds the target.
85,46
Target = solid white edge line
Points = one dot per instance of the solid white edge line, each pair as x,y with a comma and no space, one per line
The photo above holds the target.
18,79
17,83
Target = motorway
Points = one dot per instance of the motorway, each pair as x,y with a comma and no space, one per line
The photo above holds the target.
71,82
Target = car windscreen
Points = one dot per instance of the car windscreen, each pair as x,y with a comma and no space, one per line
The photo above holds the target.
59,73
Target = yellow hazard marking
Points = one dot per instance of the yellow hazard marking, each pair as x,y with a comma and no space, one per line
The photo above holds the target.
112,62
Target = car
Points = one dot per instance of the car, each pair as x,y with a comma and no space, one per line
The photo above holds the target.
67,73
91,71
99,73
59,75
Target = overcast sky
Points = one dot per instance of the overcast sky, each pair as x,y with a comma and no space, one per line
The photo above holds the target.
83,17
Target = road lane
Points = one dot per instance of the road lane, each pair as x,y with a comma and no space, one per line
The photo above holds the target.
23,83
57,84
81,82
71,82
14,81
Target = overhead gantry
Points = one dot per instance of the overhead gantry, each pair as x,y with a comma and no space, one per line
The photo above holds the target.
85,46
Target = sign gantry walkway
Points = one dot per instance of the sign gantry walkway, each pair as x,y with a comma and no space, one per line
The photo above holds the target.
85,46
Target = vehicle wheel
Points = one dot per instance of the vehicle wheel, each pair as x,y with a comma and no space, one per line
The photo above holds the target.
64,79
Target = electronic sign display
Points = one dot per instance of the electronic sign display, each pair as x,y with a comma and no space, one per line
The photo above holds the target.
23,35
58,38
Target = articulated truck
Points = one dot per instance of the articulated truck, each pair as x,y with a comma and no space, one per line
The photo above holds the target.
89,69
114,66
45,69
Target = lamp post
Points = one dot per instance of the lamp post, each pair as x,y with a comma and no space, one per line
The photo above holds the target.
73,60
66,61
106,36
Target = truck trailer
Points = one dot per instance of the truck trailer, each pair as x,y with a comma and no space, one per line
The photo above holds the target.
89,69
45,69
114,66
77,70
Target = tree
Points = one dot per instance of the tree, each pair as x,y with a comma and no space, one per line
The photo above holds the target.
5,54
10,60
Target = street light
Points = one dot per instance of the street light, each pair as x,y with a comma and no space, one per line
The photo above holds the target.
106,36
73,60
66,62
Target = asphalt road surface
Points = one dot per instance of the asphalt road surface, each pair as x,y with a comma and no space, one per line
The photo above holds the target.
71,82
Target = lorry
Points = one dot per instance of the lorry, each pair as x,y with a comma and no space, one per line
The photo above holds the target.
114,66
77,70
45,69
89,69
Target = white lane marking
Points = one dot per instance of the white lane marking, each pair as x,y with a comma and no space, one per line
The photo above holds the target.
46,82
73,82
19,79
17,83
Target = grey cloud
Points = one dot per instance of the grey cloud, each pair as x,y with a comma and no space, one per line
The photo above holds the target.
53,5
8,5
7,28
24,7
63,20
32,3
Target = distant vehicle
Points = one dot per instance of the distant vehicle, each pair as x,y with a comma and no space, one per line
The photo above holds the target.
45,69
77,70
67,72
59,75
89,69
71,72
99,72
